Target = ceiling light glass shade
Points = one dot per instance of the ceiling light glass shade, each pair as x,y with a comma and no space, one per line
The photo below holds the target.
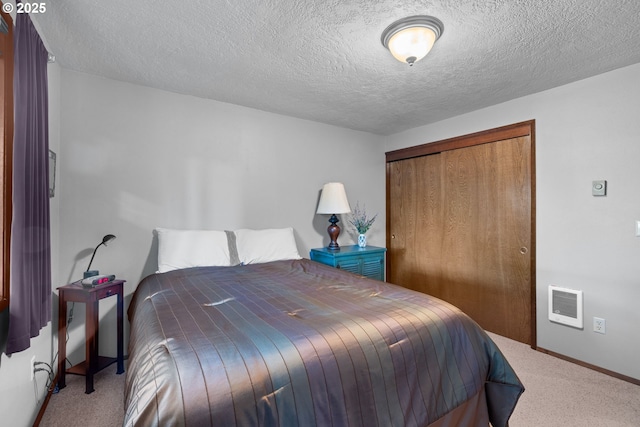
410,39
333,199
412,44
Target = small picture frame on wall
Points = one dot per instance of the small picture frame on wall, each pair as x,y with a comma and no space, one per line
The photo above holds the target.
52,174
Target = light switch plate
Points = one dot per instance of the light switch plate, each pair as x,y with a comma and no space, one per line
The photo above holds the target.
599,188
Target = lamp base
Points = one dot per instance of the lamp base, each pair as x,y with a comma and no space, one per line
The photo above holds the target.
334,232
90,273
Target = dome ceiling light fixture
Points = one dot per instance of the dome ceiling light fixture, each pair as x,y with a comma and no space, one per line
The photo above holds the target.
410,39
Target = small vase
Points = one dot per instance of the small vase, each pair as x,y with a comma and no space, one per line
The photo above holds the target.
362,240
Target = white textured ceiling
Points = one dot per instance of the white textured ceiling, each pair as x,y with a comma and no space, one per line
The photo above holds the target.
322,60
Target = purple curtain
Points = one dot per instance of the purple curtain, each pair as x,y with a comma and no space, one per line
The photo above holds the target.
30,303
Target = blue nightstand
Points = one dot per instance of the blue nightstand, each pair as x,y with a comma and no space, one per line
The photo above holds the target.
367,261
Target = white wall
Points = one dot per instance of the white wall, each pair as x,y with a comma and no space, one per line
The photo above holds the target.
585,131
21,399
134,158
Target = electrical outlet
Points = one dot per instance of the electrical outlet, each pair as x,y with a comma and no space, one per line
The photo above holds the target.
599,325
33,366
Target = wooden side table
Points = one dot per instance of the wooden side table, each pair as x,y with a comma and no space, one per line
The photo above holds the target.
91,297
367,261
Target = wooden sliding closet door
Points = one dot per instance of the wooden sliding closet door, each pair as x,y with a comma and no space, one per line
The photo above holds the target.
460,228
416,217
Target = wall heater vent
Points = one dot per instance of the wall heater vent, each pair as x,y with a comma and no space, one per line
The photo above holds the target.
565,306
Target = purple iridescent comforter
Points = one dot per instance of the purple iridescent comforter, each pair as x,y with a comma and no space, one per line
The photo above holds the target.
297,343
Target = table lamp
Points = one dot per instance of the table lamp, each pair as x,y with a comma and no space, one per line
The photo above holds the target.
333,200
105,240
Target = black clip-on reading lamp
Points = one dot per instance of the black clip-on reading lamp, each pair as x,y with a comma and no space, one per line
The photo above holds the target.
105,240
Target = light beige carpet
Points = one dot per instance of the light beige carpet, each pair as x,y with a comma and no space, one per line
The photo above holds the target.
562,394
71,407
558,394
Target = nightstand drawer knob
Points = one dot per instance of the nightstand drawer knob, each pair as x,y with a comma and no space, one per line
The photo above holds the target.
109,292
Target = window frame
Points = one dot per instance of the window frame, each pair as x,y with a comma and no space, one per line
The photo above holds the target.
6,154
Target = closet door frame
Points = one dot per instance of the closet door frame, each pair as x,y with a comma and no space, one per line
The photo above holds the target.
522,129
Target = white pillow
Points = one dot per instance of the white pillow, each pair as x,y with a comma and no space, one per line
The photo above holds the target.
191,248
258,246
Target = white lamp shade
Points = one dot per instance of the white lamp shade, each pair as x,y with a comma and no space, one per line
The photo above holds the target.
333,199
411,42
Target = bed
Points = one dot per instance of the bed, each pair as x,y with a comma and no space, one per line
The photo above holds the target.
293,342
